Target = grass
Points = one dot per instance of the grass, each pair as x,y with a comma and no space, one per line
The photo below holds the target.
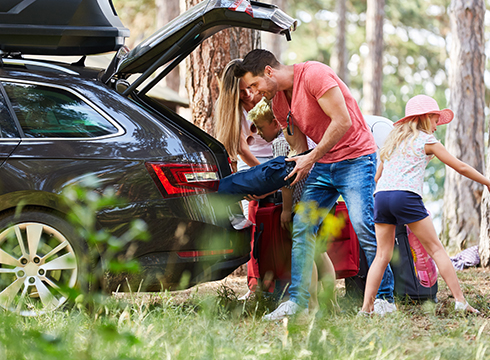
216,326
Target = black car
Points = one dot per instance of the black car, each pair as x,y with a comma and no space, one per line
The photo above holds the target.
62,123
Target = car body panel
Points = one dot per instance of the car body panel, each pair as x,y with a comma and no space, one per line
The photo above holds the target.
37,171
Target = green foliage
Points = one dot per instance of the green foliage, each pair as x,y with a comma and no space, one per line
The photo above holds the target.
139,16
415,46
105,253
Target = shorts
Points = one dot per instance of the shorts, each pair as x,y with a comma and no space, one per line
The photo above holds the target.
398,207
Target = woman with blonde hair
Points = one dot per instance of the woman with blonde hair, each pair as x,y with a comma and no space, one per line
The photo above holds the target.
239,136
244,146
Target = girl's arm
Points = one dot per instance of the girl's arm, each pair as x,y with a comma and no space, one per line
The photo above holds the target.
245,153
378,172
464,169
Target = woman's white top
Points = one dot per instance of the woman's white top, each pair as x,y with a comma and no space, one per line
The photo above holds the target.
258,146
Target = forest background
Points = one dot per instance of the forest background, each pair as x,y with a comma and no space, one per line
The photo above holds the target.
386,51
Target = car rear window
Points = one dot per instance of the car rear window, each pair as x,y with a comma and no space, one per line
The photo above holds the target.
50,112
7,127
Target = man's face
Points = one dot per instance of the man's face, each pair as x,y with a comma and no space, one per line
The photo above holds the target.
265,85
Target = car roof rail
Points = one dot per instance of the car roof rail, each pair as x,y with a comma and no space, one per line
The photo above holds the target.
44,65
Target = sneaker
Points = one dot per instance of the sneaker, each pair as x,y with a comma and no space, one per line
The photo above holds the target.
363,313
288,308
382,307
246,296
465,308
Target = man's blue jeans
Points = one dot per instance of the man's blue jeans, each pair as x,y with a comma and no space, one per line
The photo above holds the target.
354,180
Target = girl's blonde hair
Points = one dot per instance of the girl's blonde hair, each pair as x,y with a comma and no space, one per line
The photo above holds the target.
261,111
228,112
403,132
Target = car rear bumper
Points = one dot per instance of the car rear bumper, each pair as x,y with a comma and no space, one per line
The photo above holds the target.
169,270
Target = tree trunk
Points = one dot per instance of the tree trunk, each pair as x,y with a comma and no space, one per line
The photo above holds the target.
373,66
168,10
464,135
205,64
339,56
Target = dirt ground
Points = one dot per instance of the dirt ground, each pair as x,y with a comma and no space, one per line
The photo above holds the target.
237,283
475,283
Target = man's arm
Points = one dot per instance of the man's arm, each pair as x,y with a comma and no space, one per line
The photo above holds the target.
333,105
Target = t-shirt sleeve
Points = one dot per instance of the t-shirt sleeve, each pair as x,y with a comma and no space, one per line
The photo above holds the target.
318,79
431,139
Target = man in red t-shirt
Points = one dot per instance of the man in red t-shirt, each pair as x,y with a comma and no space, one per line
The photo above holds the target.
312,98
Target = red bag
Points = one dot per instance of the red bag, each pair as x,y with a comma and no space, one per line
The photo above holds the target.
344,250
272,247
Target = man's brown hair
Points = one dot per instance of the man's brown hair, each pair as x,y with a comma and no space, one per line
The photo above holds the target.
255,62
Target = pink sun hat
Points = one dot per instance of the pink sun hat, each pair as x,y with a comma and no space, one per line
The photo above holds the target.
423,104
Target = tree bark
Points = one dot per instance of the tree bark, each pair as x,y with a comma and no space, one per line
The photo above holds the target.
339,56
373,66
168,10
464,135
205,64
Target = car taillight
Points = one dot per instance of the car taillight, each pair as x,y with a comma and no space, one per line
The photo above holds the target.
175,180
201,253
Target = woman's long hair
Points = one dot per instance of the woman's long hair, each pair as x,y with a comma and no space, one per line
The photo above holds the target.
402,133
228,111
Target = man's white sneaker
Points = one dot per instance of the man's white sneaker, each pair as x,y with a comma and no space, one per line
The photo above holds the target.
362,313
382,307
288,308
246,296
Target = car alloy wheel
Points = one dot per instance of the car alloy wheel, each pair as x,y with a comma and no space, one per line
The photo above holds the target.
38,265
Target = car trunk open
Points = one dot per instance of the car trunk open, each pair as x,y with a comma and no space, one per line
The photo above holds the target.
172,43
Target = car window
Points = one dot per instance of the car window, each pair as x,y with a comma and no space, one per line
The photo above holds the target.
49,112
7,126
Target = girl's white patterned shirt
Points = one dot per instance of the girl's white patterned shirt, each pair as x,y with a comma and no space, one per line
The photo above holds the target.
406,167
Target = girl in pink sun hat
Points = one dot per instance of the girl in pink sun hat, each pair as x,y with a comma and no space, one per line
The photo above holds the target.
422,105
398,196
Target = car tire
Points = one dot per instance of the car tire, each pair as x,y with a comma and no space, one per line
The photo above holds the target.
40,262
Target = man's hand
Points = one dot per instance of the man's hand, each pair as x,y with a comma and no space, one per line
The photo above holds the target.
302,168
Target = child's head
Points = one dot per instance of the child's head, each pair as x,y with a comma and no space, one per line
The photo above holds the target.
263,118
421,114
